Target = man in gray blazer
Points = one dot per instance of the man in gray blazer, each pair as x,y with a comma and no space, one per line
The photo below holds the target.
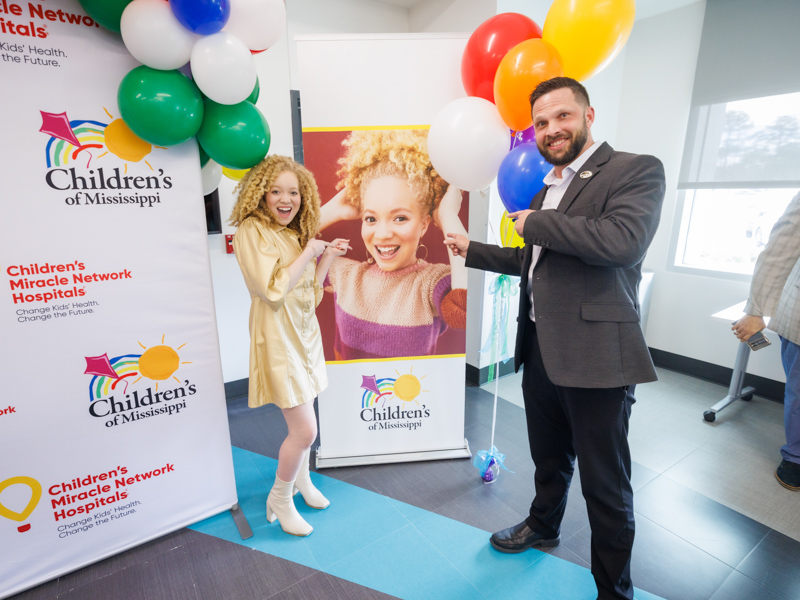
775,293
579,337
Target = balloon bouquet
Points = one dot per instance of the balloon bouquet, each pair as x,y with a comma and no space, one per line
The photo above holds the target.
198,76
504,60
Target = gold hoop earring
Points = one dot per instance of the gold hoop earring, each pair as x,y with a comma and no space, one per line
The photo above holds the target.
426,251
370,260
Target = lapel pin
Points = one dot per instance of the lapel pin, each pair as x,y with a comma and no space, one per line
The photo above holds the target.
585,175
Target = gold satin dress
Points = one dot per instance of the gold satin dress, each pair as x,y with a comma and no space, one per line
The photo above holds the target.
287,364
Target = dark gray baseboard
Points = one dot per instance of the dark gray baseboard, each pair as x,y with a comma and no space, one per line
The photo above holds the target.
477,376
236,389
766,388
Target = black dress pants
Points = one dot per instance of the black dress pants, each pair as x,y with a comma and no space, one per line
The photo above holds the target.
566,423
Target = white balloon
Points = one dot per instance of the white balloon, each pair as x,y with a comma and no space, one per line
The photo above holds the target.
223,68
154,36
211,174
467,142
258,23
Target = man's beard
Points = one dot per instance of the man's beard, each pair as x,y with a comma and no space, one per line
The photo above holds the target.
575,146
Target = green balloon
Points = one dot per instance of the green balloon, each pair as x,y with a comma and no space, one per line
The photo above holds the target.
164,108
106,12
234,135
203,156
253,97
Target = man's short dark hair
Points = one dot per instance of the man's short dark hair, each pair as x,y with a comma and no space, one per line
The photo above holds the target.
557,83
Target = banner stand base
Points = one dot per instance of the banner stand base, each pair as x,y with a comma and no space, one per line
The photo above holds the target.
241,522
323,462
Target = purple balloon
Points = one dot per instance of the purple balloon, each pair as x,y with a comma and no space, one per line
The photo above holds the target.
203,17
524,136
521,176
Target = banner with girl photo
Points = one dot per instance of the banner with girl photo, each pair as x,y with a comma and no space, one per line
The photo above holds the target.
394,314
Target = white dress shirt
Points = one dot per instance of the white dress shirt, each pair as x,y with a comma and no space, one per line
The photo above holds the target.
556,188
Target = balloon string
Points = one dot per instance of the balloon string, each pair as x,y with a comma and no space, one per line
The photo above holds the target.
496,385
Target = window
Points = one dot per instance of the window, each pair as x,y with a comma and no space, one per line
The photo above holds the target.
741,168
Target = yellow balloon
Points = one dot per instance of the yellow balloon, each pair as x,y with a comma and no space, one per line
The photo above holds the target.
235,174
588,34
508,235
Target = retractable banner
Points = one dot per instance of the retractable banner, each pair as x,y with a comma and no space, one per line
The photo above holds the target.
113,428
393,316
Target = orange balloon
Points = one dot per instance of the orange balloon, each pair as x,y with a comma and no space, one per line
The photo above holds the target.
588,34
524,67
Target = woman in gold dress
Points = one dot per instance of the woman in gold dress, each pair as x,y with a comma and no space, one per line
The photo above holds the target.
284,265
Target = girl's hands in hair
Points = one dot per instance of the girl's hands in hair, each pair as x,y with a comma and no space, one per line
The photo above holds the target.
343,210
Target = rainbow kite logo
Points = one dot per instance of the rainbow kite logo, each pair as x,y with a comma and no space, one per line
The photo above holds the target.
375,389
108,372
156,362
79,139
405,388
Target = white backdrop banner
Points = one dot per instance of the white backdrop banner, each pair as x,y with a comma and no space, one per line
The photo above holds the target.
396,373
385,409
113,428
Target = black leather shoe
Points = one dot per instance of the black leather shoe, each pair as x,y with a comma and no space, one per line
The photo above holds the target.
788,475
519,538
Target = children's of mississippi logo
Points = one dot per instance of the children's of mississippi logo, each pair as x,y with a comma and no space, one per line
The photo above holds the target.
378,410
114,395
75,146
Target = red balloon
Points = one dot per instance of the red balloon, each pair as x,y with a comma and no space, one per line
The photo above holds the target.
488,45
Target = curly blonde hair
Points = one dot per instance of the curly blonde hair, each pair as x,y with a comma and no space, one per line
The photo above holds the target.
373,154
253,188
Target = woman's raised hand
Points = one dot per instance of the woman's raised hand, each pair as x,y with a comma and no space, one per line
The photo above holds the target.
341,209
448,208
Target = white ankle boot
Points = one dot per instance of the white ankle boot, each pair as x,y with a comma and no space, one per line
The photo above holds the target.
312,496
280,505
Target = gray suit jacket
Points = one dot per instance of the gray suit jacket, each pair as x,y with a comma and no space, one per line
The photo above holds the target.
775,289
585,283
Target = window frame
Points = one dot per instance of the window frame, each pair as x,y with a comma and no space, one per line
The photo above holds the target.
700,122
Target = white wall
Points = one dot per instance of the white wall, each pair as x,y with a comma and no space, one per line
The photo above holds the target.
340,16
450,15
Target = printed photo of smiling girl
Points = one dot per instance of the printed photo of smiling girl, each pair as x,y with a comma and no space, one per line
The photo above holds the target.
394,303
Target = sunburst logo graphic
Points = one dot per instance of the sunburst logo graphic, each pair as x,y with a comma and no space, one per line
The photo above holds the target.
80,139
406,388
157,363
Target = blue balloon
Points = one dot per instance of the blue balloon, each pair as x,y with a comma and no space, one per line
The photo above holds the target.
521,176
203,17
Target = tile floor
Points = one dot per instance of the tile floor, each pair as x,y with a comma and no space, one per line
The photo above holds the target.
712,522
